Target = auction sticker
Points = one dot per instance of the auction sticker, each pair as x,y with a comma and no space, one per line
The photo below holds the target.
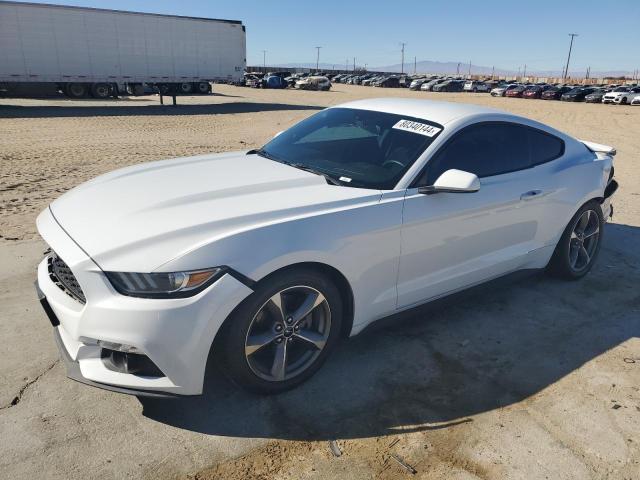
417,127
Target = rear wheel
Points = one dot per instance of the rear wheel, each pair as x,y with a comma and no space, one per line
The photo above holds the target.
76,90
204,87
579,245
185,88
100,90
282,333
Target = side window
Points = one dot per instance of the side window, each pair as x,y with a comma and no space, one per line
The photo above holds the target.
485,149
544,147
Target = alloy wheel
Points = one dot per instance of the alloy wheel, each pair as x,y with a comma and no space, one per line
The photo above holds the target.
584,240
288,333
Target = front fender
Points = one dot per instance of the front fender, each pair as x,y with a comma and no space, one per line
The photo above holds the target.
362,243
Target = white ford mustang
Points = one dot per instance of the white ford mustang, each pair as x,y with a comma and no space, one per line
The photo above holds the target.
266,258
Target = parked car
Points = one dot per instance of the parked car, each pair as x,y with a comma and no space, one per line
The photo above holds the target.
515,92
535,91
475,86
154,268
428,86
636,100
388,82
417,83
449,86
253,81
370,81
274,81
501,91
554,93
491,84
577,94
314,83
621,95
596,96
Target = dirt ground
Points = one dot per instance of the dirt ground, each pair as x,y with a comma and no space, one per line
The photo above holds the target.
527,379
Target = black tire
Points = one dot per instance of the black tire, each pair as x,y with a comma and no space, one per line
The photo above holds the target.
185,88
76,90
235,333
204,87
100,90
560,264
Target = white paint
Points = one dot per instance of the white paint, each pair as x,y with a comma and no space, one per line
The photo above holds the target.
396,248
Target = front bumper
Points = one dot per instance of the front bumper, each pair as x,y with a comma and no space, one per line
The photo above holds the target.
175,334
73,367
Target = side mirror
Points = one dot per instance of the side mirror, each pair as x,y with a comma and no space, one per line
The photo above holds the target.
278,133
453,181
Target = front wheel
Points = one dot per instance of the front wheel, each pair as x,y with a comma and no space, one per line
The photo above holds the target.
579,245
282,333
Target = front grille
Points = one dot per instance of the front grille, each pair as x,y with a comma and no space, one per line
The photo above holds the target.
63,277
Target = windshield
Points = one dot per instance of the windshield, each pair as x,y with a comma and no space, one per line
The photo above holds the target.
357,148
621,89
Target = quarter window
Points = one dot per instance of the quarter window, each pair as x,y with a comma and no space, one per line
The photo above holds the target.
544,147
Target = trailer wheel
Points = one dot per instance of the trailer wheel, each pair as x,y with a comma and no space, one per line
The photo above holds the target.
204,87
164,89
76,90
185,88
100,90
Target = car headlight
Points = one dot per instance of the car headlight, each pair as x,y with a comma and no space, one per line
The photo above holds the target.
164,285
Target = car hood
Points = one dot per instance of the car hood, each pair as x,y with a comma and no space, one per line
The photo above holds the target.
615,94
141,217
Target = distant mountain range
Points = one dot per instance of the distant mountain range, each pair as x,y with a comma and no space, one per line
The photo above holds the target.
428,66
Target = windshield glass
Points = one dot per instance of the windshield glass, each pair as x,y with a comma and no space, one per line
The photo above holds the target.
358,148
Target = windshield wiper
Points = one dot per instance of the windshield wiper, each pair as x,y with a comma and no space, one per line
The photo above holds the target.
263,153
301,166
328,178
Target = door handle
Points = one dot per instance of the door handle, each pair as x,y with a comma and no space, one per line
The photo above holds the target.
531,194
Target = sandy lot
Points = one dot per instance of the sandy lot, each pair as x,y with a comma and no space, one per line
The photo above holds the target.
528,379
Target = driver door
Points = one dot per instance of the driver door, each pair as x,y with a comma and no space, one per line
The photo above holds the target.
454,240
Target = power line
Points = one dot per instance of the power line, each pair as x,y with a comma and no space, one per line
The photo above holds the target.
566,69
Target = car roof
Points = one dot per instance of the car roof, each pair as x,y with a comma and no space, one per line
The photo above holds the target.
435,111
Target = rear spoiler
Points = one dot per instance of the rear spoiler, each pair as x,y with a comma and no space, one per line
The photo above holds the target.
598,148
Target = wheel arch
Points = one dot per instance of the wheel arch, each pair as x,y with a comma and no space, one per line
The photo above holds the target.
340,280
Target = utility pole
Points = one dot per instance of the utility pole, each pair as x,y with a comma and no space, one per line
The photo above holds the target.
318,59
469,73
415,64
354,64
493,71
264,59
346,65
588,72
458,69
402,61
566,69
365,66
524,74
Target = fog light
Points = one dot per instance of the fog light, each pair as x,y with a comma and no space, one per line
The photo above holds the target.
118,347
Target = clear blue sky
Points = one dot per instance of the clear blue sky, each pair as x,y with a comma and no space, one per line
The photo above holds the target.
506,34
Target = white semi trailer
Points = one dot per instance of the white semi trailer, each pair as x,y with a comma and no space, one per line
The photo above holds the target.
87,51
